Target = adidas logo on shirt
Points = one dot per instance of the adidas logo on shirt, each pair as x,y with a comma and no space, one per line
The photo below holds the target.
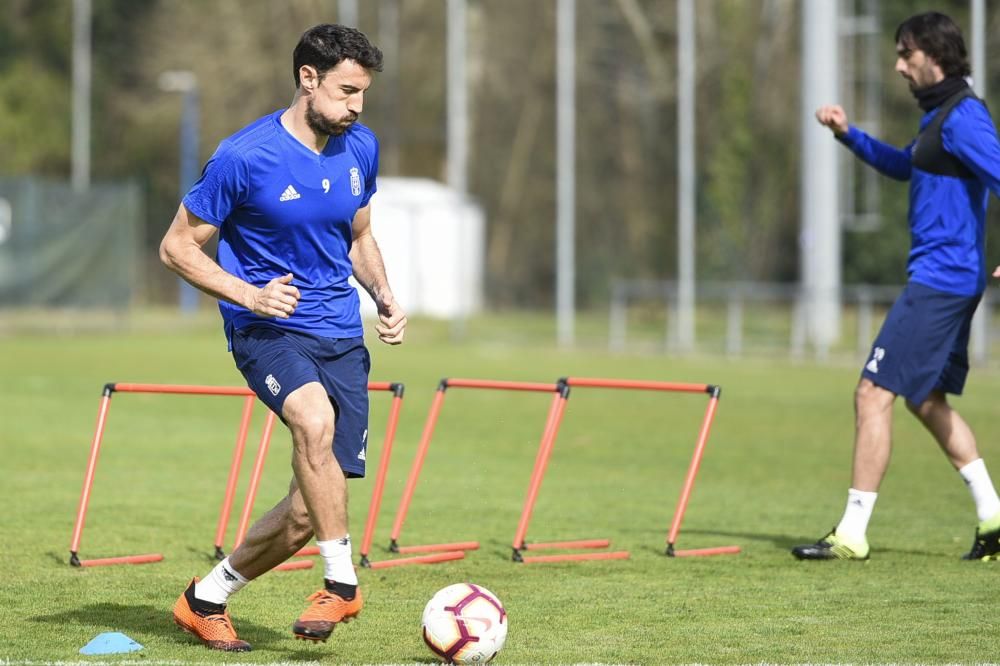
290,194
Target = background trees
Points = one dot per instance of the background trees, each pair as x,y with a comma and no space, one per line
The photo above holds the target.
748,121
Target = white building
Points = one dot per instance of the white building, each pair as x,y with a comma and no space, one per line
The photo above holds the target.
433,244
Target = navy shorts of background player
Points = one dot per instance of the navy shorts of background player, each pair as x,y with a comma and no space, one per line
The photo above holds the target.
952,165
923,344
281,208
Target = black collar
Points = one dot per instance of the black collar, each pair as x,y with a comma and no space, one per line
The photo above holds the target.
933,96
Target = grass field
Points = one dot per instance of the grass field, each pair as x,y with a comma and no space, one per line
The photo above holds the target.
775,474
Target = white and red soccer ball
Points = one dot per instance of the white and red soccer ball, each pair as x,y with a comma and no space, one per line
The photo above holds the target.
465,624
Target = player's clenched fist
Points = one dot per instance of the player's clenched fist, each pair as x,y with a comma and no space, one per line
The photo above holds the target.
833,116
392,320
278,298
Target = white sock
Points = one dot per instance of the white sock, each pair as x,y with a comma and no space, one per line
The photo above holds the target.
854,524
983,493
337,564
219,584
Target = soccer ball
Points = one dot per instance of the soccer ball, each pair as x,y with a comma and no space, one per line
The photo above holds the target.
465,624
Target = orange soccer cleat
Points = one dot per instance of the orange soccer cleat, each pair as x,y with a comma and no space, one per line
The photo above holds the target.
214,629
325,612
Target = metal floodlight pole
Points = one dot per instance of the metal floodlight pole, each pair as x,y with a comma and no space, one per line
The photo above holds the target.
388,41
458,112
458,140
980,321
565,170
979,47
820,208
347,12
186,83
81,95
686,175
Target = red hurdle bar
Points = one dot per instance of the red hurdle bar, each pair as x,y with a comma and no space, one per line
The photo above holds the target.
537,475
425,440
421,559
127,559
186,389
714,392
435,547
560,393
383,469
575,557
582,543
397,390
418,462
701,552
258,468
234,473
95,449
295,565
556,411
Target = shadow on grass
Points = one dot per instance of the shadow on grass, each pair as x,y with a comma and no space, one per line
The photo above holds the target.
145,620
786,542
208,554
783,541
58,558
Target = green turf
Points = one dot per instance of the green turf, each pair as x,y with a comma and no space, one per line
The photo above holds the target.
775,474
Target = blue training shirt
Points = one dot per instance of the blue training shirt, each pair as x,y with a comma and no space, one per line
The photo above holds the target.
281,208
947,214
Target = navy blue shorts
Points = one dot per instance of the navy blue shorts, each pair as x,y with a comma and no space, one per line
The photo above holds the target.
924,344
276,361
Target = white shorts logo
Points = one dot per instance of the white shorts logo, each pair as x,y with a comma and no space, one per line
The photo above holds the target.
877,355
355,182
364,445
272,385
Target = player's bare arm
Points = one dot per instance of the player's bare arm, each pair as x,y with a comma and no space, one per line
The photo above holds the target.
834,117
181,250
369,271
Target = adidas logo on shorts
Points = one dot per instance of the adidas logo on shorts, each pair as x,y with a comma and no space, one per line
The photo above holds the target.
877,355
362,455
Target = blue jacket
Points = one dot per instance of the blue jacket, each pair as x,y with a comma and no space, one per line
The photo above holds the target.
947,214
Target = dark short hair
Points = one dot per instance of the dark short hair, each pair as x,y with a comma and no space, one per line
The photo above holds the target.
940,38
327,45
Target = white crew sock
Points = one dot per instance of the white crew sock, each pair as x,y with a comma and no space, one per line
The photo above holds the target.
854,524
983,493
337,565
219,584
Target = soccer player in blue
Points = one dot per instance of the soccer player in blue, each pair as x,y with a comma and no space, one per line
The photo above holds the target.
921,352
290,197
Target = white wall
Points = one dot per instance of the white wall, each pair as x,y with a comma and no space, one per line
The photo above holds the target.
433,244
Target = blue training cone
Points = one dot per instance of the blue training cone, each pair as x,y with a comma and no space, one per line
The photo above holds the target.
110,642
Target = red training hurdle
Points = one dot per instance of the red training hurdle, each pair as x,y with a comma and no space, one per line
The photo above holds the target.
560,392
714,392
111,388
373,508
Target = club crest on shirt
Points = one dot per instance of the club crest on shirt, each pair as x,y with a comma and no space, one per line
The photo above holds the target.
355,181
